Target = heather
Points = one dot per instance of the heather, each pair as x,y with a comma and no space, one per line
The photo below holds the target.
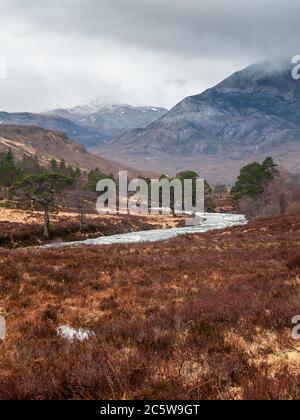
199,317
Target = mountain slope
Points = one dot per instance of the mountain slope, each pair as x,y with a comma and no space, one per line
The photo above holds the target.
253,113
49,144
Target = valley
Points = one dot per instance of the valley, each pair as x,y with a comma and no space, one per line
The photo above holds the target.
138,307
149,204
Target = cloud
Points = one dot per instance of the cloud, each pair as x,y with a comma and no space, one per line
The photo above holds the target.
139,51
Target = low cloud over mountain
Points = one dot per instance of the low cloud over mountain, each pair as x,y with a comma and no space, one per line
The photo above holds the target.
252,114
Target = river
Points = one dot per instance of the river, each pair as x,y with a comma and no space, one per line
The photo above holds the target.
211,221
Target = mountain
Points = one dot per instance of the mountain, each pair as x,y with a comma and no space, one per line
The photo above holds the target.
250,115
106,121
49,144
82,135
90,124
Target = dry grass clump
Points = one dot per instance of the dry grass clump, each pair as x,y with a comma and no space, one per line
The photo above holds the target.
200,317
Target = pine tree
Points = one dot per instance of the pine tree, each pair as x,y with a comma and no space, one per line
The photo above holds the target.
8,172
252,180
41,191
54,165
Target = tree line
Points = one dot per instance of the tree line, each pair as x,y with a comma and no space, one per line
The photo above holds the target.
12,170
209,204
261,188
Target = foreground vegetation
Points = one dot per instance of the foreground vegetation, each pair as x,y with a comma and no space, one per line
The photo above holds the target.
200,317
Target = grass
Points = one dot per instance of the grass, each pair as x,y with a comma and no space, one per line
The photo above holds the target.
199,317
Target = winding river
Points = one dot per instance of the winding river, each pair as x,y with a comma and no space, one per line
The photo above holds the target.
211,221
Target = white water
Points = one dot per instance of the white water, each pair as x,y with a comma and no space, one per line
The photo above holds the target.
212,221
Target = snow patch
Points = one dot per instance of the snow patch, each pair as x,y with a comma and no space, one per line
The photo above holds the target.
72,334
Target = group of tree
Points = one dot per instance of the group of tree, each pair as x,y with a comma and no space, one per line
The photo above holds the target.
40,187
264,189
208,192
182,176
12,170
93,177
253,178
60,167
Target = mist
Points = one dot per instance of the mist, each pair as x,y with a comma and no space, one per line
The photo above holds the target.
61,53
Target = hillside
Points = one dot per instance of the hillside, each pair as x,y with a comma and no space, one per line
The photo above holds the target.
82,135
48,144
252,114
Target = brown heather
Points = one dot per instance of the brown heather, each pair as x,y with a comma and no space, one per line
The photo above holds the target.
199,317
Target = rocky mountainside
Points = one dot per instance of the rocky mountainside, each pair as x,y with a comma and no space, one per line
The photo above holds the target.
49,144
252,114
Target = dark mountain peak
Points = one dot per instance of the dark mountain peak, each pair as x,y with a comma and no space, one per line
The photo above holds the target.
265,87
251,114
267,77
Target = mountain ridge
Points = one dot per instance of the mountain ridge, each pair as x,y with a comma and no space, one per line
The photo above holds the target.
109,120
90,124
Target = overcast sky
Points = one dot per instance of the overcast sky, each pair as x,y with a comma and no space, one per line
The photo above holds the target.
148,52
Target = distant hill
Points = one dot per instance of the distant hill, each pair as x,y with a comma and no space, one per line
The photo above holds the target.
49,144
107,121
90,124
252,114
83,135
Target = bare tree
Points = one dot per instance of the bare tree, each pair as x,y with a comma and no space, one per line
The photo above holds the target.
277,194
79,201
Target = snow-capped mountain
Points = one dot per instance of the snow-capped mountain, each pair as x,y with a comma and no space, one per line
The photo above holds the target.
89,124
98,106
108,120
